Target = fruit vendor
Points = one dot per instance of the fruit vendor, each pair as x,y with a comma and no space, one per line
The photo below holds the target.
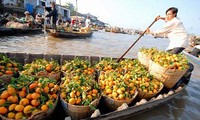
54,15
29,19
174,30
176,33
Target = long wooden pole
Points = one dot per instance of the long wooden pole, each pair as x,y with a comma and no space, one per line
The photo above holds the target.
135,41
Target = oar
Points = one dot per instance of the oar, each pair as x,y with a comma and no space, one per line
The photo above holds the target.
136,41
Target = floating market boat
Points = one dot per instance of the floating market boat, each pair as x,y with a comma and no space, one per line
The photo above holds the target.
137,106
17,31
192,57
73,34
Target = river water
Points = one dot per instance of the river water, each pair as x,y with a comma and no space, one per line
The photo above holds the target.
183,107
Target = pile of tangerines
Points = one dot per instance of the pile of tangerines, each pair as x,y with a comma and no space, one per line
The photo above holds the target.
78,84
120,81
25,96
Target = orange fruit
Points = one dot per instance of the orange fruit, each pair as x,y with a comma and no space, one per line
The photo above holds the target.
54,96
95,91
9,72
29,96
4,94
19,108
78,101
38,90
12,107
16,69
33,85
44,107
72,101
18,115
13,99
89,96
1,73
11,115
72,94
63,95
24,101
2,101
46,89
51,85
22,94
78,93
3,110
28,109
48,69
35,96
24,89
9,65
35,103
11,91
49,103
56,87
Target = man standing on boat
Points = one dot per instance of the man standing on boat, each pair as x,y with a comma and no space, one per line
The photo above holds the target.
54,15
87,21
174,30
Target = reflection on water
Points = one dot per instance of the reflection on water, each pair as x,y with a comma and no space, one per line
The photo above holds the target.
105,44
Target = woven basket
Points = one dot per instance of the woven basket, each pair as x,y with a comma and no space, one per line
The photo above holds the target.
144,95
114,104
144,59
77,112
39,115
169,77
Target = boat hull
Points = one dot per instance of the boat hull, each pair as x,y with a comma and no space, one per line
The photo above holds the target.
61,34
192,57
106,114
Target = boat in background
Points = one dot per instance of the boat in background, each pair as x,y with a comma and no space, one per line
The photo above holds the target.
191,57
72,34
18,31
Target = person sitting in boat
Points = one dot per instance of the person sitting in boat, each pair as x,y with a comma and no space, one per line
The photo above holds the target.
76,25
196,51
39,20
54,15
13,17
29,19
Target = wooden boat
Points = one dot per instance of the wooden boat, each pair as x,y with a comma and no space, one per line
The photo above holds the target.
17,31
73,34
137,106
192,57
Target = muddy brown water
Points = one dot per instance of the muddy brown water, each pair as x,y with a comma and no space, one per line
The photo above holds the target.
183,107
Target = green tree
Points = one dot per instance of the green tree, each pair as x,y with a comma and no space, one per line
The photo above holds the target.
72,8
